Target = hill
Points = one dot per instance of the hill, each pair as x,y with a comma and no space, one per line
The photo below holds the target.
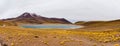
3,23
99,23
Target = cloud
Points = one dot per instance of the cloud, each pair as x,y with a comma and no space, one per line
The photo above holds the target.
78,10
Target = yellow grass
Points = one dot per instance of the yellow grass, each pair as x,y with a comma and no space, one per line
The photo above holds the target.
16,36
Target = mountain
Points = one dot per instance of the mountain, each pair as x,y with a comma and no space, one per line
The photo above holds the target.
31,18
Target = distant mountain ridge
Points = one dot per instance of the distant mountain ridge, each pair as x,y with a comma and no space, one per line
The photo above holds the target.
31,18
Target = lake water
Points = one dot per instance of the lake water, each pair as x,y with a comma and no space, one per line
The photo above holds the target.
55,26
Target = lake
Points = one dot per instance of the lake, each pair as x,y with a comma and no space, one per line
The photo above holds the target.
52,26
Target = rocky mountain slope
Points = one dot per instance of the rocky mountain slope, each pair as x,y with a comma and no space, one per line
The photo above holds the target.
30,18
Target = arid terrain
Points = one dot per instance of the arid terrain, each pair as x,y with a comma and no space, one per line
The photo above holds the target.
17,36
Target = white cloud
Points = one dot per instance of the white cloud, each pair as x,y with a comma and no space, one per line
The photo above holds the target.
70,9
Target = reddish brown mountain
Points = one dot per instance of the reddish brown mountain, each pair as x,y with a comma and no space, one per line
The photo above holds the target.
29,18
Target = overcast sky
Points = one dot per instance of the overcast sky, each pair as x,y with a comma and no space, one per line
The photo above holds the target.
73,10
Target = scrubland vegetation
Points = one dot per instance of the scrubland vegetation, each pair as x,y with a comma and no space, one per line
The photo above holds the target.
16,36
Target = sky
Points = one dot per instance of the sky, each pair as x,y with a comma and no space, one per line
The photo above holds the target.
72,10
